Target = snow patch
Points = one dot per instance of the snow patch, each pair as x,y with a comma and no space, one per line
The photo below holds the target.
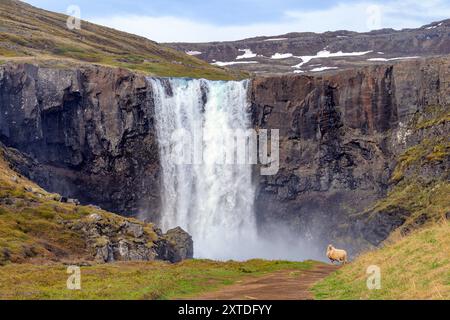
276,39
277,56
193,53
328,54
435,26
247,54
222,64
322,69
391,59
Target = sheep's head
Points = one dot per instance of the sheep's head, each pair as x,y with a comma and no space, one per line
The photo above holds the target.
330,247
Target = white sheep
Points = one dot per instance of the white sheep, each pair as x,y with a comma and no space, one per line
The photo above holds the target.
336,254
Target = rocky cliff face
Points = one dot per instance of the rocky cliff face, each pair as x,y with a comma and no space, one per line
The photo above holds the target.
340,135
89,134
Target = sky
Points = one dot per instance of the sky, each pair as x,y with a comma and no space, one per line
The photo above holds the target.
221,20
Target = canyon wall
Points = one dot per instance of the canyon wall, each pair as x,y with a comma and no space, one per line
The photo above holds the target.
339,136
89,133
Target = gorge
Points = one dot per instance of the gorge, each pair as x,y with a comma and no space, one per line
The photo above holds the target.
91,133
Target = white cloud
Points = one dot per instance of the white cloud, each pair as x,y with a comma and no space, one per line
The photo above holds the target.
362,16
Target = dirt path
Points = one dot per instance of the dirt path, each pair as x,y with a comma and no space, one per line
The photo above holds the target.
280,285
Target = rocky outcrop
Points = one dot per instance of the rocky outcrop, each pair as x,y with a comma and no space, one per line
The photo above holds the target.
176,245
112,240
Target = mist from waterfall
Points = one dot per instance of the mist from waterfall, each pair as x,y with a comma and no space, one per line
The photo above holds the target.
212,201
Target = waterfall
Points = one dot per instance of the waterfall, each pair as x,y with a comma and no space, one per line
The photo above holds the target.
212,200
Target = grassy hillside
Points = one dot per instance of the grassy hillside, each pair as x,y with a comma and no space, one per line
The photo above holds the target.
416,267
34,35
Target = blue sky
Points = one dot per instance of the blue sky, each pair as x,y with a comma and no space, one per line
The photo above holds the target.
209,20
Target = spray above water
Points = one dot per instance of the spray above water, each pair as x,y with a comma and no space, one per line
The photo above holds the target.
213,201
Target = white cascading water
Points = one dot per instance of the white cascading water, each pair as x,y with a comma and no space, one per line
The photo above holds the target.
212,201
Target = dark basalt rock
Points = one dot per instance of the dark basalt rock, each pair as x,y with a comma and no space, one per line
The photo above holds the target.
88,134
339,136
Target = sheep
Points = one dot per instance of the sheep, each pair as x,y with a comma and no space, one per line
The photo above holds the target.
336,254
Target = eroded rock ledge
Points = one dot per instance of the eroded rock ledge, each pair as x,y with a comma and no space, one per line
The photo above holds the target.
111,240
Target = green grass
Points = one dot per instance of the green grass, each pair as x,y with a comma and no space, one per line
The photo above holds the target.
38,36
133,280
433,115
419,199
416,267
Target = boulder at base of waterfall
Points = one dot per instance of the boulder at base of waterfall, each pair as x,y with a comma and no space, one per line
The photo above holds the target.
176,245
117,239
